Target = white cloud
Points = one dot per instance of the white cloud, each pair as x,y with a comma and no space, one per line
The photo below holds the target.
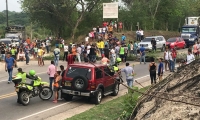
13,5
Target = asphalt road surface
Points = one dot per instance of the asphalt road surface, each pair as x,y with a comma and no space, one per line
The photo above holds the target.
38,109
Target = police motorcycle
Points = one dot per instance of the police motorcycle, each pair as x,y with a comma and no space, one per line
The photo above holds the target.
25,91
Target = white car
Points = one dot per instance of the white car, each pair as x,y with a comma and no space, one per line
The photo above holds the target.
146,42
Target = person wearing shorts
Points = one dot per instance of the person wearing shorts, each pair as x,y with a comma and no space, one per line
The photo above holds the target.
56,85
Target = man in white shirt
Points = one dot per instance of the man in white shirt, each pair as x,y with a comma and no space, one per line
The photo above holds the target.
88,49
138,34
66,48
142,34
190,57
78,54
168,59
47,45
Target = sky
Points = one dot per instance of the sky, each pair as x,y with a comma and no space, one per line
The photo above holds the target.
13,5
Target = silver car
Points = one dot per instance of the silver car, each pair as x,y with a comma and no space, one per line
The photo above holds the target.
146,42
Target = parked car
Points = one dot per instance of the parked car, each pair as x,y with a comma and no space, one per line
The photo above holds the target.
146,42
176,42
90,81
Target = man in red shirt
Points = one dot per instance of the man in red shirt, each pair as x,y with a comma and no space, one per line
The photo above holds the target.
70,59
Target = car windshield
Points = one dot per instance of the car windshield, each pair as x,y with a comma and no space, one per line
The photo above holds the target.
77,71
188,30
171,40
147,40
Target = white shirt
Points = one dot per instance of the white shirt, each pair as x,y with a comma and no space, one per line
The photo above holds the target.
88,49
78,50
100,30
168,55
141,32
66,48
104,29
94,29
86,39
190,58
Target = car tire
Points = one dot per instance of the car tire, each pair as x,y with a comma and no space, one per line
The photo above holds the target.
67,97
115,90
98,97
79,83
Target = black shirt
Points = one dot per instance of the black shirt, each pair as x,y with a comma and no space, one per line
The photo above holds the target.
106,51
153,42
92,51
3,51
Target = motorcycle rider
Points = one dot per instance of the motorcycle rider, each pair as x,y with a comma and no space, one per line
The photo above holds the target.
22,75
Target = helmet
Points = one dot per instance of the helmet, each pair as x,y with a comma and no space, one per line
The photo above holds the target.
32,72
116,68
119,59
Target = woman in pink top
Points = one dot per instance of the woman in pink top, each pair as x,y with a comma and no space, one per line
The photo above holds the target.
51,72
105,60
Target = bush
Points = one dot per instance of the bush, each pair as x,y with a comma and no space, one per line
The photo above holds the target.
129,102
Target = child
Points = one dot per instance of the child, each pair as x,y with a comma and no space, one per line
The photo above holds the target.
160,69
56,85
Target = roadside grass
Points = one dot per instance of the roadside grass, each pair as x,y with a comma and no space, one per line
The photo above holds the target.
119,108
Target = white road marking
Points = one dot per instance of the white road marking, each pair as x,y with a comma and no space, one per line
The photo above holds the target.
44,111
36,74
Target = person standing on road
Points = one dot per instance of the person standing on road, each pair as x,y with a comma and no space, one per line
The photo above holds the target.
51,71
128,70
168,59
10,63
152,71
135,47
153,43
160,69
142,54
190,57
26,51
3,52
65,52
56,85
40,54
56,55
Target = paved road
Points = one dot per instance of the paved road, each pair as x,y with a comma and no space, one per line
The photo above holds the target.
38,109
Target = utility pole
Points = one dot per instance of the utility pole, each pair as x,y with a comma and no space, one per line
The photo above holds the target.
7,13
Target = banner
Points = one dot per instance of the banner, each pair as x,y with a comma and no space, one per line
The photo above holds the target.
110,10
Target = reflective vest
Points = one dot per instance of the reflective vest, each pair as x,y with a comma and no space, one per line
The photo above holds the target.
121,51
23,76
12,51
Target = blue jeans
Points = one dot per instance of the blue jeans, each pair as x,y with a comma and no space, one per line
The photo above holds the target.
142,58
47,48
2,56
129,82
51,81
171,64
174,64
10,75
27,58
135,52
56,59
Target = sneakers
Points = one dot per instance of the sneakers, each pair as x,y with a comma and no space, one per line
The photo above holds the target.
9,82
